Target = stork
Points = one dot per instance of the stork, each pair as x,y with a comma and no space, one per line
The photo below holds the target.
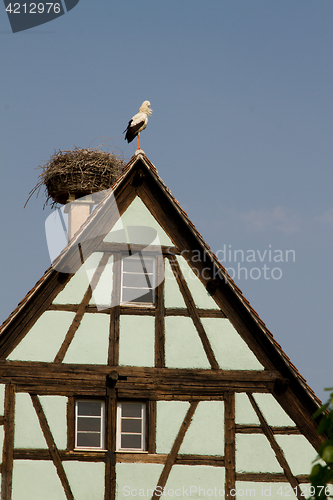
138,123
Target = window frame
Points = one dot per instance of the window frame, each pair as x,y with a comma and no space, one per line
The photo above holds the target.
102,418
153,284
143,434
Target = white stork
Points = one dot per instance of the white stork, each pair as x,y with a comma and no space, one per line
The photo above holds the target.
138,123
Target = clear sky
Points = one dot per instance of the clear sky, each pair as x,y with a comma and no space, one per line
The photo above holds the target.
241,133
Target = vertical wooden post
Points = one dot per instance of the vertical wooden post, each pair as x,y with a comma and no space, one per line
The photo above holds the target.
159,315
229,445
111,429
113,356
8,445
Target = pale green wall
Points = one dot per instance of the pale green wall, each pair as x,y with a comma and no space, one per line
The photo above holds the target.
55,409
91,340
245,413
44,339
2,398
199,293
28,433
75,289
86,479
230,350
169,417
36,480
254,454
269,491
102,293
193,477
298,451
272,411
183,347
134,479
173,297
138,214
205,436
137,341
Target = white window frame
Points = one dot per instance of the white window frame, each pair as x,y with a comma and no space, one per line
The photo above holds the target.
102,424
143,427
153,282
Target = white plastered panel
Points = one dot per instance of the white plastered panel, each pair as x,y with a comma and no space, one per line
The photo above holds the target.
28,433
245,413
230,350
138,215
195,481
55,409
136,480
272,410
91,341
199,293
36,480
173,296
169,415
298,451
183,346
86,479
205,435
255,454
137,340
44,339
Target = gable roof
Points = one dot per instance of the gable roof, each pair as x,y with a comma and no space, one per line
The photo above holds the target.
141,178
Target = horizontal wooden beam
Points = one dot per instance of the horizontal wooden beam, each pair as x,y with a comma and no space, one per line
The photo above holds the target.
123,247
266,477
256,429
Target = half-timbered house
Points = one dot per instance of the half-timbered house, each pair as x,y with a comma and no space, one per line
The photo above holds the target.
135,366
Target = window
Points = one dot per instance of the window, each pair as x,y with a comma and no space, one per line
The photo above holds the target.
89,424
131,426
138,279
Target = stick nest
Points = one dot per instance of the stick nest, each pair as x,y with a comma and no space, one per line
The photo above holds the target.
79,172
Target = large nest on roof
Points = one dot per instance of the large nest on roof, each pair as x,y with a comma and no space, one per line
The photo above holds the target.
78,172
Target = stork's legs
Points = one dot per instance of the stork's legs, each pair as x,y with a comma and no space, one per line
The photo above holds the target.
138,141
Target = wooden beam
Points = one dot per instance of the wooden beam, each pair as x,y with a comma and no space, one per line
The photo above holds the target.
256,429
52,446
151,427
185,291
229,444
71,423
276,448
159,315
268,477
81,310
8,444
175,449
110,456
113,354
123,247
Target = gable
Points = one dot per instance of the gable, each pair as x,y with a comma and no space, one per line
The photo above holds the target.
148,321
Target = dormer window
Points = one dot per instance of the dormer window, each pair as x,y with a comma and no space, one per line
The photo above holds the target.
138,280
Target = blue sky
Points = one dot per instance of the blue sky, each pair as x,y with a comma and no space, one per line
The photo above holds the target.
241,133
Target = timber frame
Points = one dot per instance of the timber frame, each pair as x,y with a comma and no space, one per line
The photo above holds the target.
113,383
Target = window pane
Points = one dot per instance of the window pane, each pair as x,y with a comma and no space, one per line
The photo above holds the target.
89,424
137,295
131,425
131,410
137,280
135,265
89,440
131,441
89,408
